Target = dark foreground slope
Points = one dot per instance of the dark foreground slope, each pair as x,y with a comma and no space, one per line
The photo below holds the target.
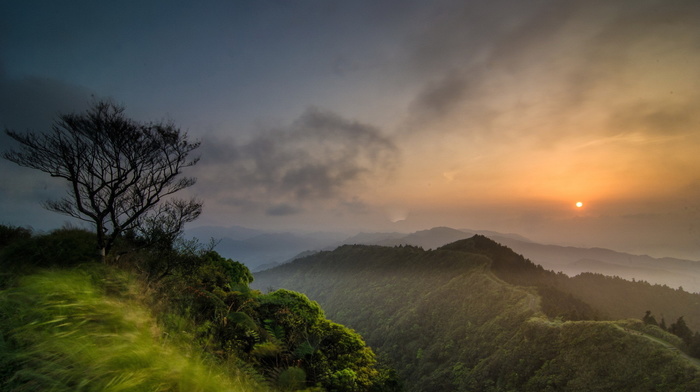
447,319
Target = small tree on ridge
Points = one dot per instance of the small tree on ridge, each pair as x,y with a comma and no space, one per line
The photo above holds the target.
119,171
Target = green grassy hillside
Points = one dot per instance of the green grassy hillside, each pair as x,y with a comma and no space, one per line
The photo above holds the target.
61,332
452,319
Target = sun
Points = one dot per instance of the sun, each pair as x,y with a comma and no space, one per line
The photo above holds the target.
579,204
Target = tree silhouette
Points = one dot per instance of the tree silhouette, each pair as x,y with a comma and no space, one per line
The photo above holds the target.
649,319
680,329
119,171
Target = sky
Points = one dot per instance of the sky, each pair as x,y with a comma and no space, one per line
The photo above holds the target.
363,115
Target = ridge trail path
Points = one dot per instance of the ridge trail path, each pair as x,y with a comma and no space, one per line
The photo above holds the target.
533,300
533,303
694,361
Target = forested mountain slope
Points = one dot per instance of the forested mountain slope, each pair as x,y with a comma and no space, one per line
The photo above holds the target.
474,316
589,295
570,260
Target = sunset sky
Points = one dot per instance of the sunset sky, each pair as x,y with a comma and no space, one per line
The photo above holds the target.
387,115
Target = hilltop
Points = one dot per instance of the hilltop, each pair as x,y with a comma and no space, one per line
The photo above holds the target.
474,315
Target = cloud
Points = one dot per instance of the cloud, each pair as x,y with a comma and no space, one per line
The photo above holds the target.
320,156
439,98
32,103
282,210
481,64
490,71
658,118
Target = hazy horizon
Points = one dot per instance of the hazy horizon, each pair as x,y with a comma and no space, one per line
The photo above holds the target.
387,115
344,234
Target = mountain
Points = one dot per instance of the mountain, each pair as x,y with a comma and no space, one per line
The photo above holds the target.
573,261
429,239
373,238
217,232
259,249
569,260
474,315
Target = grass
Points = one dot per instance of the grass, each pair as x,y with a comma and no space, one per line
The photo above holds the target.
628,326
61,332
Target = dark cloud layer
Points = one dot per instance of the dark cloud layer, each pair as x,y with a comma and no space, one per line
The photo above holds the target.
318,157
282,210
32,103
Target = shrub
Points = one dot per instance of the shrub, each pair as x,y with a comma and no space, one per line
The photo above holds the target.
11,234
60,248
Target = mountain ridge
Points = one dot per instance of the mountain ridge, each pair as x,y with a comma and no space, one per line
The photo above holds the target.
449,321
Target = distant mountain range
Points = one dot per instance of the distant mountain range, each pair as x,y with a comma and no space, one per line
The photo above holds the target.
260,250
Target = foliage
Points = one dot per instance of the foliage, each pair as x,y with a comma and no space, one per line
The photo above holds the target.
616,298
292,379
690,341
277,335
118,170
59,248
648,319
156,260
680,329
10,234
237,274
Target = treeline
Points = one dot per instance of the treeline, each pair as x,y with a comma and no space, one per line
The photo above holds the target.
618,298
690,339
280,339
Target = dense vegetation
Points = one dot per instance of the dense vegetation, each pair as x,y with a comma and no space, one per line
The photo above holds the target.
588,295
474,316
163,314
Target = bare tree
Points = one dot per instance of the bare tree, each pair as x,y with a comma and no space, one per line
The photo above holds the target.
119,171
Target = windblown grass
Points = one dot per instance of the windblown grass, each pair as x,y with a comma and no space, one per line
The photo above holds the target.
59,331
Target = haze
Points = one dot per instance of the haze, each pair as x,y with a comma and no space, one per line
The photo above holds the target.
388,115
